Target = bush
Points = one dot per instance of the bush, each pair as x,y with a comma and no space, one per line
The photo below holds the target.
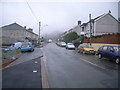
70,37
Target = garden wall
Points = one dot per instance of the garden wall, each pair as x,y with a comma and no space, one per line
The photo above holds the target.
105,38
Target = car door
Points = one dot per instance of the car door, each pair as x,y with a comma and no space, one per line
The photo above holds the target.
104,51
110,52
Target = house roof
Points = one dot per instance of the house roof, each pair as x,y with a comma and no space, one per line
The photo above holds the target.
92,20
84,24
99,17
105,15
15,26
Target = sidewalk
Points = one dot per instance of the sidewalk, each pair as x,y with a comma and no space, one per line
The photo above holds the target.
24,75
27,56
26,72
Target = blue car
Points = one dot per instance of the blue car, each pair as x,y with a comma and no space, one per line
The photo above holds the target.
110,52
27,46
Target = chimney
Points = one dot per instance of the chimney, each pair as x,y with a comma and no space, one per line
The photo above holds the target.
109,11
79,22
30,29
25,27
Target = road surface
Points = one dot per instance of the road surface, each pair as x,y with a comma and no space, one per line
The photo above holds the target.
69,69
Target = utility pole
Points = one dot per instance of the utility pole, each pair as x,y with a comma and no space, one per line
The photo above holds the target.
90,27
39,33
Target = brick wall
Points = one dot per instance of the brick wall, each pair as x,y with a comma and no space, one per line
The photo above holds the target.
106,38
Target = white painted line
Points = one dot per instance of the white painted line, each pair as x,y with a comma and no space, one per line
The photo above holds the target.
34,71
36,62
92,63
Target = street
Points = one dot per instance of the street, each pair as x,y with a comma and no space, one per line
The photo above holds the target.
64,69
69,69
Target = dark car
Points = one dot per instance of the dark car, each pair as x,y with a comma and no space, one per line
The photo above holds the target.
110,52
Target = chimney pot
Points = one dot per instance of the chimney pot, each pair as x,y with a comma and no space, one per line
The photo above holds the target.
79,22
25,27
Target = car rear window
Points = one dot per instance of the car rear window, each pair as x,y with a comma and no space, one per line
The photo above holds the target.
117,49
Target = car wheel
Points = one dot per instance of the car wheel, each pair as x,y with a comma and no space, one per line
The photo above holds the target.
78,51
117,60
83,52
22,51
99,56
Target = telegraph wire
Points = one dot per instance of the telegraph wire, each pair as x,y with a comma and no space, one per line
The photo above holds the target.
32,11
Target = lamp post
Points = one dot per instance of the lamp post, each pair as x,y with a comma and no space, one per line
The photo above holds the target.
39,33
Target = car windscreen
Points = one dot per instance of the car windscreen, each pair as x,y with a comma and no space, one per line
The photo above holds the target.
26,44
63,43
18,44
86,46
70,44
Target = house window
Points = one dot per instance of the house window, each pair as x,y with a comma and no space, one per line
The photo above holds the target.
82,28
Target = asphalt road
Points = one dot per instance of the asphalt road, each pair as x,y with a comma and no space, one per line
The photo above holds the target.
24,72
69,69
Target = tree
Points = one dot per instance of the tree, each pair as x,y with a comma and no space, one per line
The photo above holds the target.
70,37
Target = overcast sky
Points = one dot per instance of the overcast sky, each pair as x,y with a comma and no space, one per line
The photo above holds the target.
54,16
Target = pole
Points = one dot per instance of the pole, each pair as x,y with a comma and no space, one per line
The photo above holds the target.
39,31
90,28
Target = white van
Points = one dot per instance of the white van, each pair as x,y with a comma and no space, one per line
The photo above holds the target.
16,45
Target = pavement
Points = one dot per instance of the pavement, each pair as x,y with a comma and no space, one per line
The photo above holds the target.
26,72
24,75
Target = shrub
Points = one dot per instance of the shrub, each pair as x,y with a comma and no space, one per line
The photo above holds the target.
70,37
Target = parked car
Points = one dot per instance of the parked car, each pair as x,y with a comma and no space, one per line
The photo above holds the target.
16,45
70,46
49,41
86,49
27,46
110,52
58,43
62,44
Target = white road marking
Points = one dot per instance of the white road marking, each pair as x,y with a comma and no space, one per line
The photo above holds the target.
34,71
36,62
92,63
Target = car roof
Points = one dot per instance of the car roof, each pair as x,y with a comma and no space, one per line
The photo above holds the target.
26,42
109,46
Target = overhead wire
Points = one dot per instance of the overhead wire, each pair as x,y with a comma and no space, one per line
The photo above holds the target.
32,11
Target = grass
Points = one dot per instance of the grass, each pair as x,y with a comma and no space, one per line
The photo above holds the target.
9,54
8,57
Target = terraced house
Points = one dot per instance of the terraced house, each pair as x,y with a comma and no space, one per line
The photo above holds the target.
103,24
15,33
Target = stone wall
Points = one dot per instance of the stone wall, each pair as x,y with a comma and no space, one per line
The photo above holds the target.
11,36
